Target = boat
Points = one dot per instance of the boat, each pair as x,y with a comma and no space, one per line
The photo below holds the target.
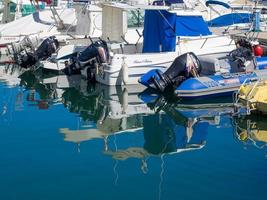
239,17
253,96
27,55
129,60
66,23
190,76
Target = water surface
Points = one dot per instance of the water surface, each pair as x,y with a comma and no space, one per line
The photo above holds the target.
64,139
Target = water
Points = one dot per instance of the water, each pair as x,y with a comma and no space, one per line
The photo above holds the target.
64,139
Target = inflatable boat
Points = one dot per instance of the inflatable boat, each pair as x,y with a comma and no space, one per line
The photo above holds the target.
190,76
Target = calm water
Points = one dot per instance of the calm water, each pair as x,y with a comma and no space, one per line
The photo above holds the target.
64,139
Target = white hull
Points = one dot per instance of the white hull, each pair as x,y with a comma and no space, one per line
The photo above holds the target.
139,64
42,25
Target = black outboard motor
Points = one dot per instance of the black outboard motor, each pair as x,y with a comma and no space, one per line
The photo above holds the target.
241,55
98,50
183,67
95,54
44,51
243,51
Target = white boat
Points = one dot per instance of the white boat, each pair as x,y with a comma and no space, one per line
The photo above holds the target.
240,15
130,59
64,23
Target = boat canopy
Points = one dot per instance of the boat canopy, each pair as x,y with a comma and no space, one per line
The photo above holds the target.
230,19
162,27
211,2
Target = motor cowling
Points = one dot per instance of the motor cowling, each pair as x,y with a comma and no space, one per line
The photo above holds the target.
183,67
47,48
242,54
96,50
44,51
94,55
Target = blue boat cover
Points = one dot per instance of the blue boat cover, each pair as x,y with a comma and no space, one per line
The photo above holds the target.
161,28
166,2
230,19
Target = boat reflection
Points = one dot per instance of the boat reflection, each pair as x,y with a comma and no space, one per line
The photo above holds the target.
252,130
9,74
104,111
46,91
166,125
11,95
175,128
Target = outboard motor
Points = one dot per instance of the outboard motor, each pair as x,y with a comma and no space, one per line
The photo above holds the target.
98,50
242,55
44,51
183,67
95,54
29,42
243,51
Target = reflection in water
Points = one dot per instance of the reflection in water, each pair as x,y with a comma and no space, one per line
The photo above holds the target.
183,137
252,130
161,128
167,129
46,91
108,110
10,99
9,74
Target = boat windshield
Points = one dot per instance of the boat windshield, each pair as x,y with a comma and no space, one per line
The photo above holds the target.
135,18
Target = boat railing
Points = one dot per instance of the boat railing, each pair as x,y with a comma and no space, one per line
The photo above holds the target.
249,95
205,40
236,97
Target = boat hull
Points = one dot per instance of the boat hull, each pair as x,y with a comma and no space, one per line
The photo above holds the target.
217,85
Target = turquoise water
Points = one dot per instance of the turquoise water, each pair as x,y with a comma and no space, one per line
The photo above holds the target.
97,142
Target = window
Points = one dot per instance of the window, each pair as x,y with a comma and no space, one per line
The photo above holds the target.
135,18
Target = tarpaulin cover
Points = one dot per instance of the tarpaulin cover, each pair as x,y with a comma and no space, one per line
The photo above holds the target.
230,19
191,26
161,28
167,2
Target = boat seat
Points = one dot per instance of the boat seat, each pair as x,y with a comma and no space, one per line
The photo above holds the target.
209,65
